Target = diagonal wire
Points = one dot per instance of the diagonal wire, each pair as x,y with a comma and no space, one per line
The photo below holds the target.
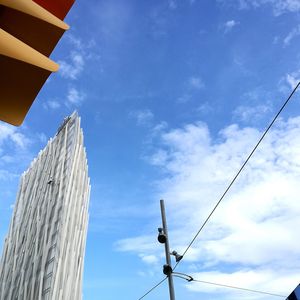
148,292
190,278
238,288
240,170
222,197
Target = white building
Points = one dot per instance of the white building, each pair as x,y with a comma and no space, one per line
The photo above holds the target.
43,254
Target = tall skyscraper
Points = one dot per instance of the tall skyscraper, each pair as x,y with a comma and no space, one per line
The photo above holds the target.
43,254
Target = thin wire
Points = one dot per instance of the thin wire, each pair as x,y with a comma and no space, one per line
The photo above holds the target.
239,288
240,170
153,288
221,198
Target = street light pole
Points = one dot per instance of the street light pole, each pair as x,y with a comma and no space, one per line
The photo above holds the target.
167,250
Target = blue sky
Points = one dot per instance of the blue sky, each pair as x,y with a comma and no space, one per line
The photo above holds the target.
173,95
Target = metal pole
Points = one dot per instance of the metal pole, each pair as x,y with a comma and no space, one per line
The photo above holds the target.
167,249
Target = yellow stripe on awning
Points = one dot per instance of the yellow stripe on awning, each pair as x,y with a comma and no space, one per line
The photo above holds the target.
14,48
31,8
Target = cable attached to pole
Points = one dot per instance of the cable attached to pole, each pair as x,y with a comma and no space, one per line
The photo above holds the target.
240,170
238,288
189,278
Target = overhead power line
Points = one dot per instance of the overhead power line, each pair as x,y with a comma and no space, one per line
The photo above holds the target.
217,204
190,279
158,284
240,170
238,288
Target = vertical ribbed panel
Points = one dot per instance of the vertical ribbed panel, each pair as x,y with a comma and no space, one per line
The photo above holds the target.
43,253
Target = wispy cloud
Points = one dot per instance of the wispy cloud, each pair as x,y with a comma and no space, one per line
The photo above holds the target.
172,4
149,259
142,117
114,19
289,81
15,153
78,52
196,82
191,86
204,108
11,133
229,25
265,280
81,51
7,176
51,104
184,98
143,243
7,158
293,79
283,6
71,69
279,7
295,32
254,230
251,113
75,97
159,158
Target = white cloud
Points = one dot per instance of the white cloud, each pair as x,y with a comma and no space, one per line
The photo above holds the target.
254,232
73,68
278,6
14,151
75,97
149,259
42,137
172,4
75,41
7,158
142,117
251,113
6,131
159,127
143,243
114,19
159,24
229,25
191,85
184,98
51,104
283,6
20,139
295,32
289,81
262,280
10,133
292,80
196,83
6,175
159,158
275,40
204,108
